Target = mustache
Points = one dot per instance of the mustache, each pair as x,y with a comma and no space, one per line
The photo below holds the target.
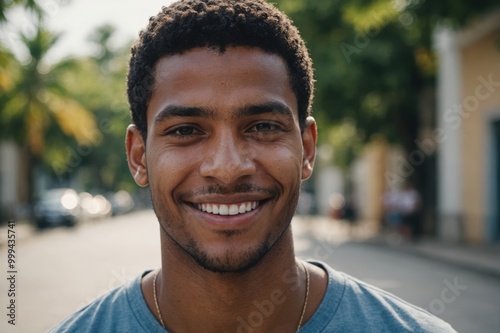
219,189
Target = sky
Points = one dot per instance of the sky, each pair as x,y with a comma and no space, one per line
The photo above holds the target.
77,19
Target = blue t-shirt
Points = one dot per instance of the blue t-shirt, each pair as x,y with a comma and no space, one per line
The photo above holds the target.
348,305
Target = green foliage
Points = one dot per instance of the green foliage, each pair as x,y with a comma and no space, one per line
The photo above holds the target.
98,82
69,117
373,60
346,142
36,106
5,5
102,37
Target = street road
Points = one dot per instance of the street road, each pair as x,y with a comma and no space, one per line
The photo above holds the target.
62,269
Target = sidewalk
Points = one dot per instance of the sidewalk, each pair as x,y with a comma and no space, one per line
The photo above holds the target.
483,259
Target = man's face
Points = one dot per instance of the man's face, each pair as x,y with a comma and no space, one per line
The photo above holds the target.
224,155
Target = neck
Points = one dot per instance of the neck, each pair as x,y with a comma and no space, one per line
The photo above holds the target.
261,299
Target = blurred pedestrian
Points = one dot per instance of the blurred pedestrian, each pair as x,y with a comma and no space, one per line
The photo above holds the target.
336,203
392,210
350,214
411,204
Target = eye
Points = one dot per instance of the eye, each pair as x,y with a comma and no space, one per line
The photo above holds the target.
186,130
183,131
266,127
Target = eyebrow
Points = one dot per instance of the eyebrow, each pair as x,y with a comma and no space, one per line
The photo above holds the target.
173,111
245,111
267,107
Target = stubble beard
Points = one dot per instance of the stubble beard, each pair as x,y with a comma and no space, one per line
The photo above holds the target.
231,261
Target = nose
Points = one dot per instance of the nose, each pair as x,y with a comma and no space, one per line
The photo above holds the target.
227,158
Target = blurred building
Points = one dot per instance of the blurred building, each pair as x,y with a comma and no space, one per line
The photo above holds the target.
458,148
363,185
468,118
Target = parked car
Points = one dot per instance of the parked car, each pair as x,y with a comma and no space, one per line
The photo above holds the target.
57,207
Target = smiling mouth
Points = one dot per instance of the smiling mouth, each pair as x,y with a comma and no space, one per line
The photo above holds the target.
228,209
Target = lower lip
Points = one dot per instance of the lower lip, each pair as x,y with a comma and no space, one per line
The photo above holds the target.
228,221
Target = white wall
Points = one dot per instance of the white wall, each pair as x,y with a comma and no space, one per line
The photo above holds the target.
449,150
329,180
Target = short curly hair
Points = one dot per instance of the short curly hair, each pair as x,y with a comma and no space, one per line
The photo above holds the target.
217,24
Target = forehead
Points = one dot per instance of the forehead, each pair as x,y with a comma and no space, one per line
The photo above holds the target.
222,81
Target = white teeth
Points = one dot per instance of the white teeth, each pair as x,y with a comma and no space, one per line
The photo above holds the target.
242,209
223,210
233,209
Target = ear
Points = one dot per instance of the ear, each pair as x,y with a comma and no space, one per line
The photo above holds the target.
136,155
309,137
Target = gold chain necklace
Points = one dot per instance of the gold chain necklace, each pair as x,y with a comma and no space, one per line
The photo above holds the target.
156,299
304,307
306,298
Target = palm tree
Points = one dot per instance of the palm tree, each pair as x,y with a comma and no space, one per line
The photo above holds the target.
7,4
38,108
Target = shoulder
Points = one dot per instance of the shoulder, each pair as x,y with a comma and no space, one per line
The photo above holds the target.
350,305
122,309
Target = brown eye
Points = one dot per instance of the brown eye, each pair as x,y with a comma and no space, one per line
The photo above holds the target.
186,130
183,132
266,127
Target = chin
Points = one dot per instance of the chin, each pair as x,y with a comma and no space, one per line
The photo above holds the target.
231,261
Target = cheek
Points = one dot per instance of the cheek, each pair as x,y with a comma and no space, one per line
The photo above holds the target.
167,170
170,162
281,161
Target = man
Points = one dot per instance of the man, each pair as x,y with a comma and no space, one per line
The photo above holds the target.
220,93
